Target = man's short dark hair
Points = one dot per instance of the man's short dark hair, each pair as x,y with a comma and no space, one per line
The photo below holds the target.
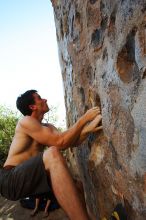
24,100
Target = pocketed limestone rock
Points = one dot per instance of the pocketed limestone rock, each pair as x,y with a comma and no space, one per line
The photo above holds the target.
102,51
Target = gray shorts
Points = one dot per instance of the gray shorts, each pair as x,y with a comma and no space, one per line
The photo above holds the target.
26,179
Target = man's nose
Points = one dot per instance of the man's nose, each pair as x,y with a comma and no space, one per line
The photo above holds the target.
45,100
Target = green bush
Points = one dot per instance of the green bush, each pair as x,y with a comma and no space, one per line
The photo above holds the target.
8,120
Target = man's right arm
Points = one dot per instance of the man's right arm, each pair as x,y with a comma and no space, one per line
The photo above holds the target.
52,137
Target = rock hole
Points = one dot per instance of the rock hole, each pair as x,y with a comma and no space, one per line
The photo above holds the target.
126,65
105,54
96,38
61,29
104,23
82,95
93,98
113,16
144,74
93,1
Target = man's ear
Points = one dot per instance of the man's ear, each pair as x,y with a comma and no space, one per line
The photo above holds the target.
32,107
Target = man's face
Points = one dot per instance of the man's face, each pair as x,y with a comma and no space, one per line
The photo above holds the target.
40,104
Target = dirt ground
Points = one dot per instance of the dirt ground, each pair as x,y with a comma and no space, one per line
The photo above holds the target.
10,210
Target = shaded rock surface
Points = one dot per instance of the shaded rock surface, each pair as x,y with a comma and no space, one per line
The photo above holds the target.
102,51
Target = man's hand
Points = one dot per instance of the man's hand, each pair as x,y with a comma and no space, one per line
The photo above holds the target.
93,125
88,128
91,114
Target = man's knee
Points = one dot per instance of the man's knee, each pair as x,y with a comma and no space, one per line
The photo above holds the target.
52,155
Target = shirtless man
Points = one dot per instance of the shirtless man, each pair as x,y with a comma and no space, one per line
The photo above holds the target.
29,172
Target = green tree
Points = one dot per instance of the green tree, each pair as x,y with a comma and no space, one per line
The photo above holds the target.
52,117
8,120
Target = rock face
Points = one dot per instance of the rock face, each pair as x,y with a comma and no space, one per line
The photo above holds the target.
102,50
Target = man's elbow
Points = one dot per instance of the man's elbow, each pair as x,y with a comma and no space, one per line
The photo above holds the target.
62,143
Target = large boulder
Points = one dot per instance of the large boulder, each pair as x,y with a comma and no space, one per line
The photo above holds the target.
102,51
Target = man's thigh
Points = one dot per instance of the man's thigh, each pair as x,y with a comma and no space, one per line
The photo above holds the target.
28,178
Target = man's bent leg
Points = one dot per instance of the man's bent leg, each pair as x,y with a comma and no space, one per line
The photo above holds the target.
63,184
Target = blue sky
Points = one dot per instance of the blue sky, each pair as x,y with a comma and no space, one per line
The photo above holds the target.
28,52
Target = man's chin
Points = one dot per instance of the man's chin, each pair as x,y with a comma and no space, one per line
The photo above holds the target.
47,110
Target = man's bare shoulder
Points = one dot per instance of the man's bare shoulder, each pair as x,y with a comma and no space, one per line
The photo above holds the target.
30,125
28,121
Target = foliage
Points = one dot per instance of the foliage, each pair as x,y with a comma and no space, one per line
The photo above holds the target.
8,120
52,117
